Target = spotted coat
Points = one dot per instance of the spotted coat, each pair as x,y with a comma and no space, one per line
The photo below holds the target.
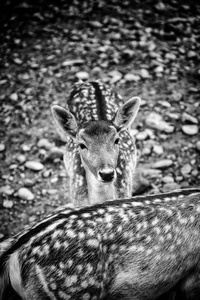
93,101
137,248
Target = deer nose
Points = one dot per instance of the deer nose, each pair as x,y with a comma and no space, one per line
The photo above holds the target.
107,175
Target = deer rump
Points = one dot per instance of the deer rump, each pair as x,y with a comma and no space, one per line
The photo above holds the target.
138,248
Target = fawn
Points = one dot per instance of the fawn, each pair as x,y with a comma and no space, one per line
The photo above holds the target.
100,154
138,248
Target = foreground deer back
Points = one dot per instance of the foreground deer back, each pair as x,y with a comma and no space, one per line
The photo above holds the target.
100,155
137,248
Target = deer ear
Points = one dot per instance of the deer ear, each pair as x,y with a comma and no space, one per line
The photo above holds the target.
65,121
126,114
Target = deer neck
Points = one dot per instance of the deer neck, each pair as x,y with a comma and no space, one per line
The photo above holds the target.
98,191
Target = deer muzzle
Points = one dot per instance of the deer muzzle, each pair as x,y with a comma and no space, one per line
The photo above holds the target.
106,175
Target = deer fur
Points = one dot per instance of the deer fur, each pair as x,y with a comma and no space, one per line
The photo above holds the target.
139,248
100,155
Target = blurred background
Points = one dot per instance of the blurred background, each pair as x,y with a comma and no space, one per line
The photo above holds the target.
149,49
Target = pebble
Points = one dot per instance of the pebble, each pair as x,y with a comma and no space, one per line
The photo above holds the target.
7,203
82,75
193,89
116,76
52,191
21,158
95,24
159,69
198,145
14,97
47,173
72,62
170,56
2,147
141,136
146,151
167,179
144,74
158,149
188,118
18,61
25,194
34,165
173,78
151,173
55,152
191,54
54,180
176,96
162,164
131,77
7,190
44,143
29,182
170,187
190,129
154,120
186,169
26,148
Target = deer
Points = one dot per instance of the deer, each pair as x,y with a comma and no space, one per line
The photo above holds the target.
100,154
139,248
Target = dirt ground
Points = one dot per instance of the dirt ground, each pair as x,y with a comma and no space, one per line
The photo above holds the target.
148,48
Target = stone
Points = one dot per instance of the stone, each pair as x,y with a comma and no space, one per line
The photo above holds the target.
170,187
162,164
141,136
146,151
29,182
7,190
47,173
140,184
14,97
82,75
144,74
131,77
52,191
55,152
190,129
26,148
191,54
7,203
188,118
158,149
21,158
186,169
25,194
154,120
2,147
151,173
167,179
72,62
116,76
95,24
198,145
159,69
176,96
170,56
34,165
18,61
44,143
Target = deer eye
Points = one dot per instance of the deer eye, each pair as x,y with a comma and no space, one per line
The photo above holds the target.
117,141
82,146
